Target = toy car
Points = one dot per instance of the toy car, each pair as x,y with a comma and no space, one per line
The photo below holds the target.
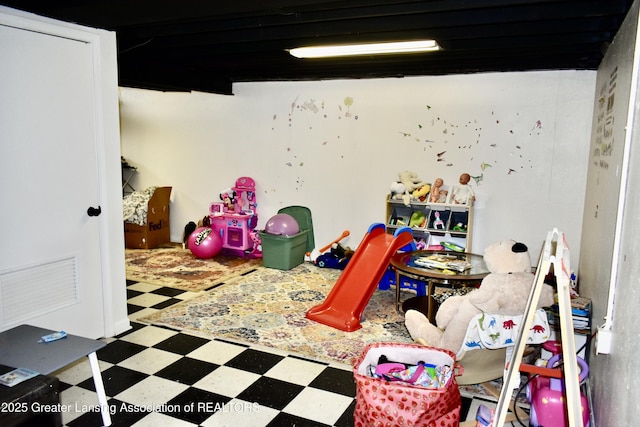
331,260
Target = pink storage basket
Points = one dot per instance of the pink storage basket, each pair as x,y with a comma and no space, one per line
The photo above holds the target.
384,403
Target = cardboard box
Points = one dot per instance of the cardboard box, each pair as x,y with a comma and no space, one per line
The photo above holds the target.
157,230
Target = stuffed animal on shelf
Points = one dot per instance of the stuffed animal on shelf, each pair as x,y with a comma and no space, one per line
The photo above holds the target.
411,182
505,290
421,192
418,219
397,190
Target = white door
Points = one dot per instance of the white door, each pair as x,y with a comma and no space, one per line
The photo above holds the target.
50,267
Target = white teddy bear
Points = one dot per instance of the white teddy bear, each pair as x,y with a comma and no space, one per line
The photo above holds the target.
504,291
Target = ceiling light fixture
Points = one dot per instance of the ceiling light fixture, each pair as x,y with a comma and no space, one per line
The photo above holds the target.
416,46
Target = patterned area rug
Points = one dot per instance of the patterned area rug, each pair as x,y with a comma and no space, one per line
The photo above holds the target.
175,267
267,307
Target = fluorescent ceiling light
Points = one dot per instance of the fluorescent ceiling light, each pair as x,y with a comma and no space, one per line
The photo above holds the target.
365,49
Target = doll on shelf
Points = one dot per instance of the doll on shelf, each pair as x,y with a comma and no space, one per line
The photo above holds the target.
463,193
438,194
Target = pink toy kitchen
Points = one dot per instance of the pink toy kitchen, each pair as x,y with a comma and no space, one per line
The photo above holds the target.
235,218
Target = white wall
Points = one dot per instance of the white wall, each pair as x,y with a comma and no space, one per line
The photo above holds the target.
336,146
610,267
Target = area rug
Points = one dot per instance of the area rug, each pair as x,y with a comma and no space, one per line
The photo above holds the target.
178,268
267,307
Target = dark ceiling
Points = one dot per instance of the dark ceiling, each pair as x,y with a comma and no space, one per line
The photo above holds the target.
207,45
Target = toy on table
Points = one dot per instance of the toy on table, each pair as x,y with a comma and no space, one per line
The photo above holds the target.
463,193
236,217
438,194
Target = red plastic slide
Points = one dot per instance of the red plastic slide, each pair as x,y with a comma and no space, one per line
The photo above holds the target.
343,307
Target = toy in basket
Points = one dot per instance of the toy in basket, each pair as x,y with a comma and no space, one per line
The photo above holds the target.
406,384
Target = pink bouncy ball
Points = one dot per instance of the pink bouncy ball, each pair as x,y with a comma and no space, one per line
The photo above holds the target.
283,225
204,243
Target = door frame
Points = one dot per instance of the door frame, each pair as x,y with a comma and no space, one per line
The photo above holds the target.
106,93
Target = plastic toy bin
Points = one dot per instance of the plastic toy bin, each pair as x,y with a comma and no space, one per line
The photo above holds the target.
286,252
283,252
458,219
438,221
400,216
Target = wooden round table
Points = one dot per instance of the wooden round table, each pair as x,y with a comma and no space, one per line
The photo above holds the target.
404,264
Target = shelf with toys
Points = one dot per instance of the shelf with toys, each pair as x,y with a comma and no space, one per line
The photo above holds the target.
440,215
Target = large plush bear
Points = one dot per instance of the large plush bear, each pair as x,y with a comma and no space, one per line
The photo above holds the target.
504,291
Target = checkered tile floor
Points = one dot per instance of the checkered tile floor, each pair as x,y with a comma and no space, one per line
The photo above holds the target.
156,376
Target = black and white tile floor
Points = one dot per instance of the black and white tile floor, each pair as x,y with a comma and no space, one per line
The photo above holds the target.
155,376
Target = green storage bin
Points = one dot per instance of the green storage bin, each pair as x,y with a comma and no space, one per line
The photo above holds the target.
286,252
283,252
302,216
